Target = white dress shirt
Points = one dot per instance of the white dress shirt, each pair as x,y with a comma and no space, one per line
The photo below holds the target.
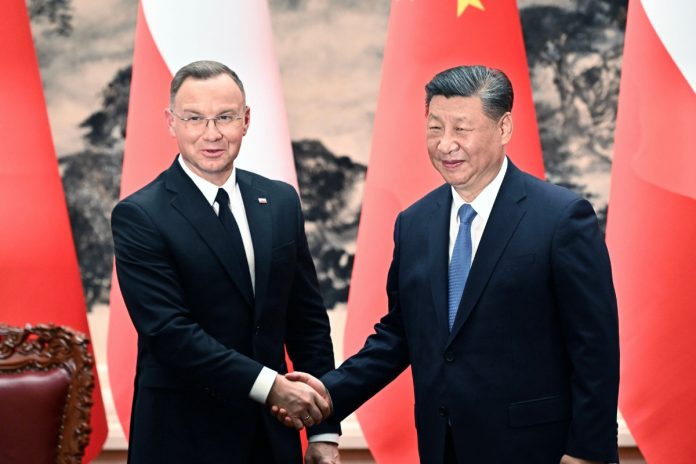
482,204
264,382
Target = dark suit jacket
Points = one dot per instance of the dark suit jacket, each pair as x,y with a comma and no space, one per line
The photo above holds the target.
530,370
202,337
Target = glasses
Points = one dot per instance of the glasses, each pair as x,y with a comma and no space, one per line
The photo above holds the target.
221,122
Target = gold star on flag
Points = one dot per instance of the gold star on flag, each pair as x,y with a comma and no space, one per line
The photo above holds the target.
462,4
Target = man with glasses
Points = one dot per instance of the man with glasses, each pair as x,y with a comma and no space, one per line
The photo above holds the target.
215,271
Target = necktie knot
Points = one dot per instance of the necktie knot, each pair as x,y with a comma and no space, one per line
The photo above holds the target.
466,214
222,198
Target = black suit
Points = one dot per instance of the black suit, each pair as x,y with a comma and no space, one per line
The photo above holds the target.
530,369
202,335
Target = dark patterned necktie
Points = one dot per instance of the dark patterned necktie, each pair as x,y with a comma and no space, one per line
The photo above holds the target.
228,221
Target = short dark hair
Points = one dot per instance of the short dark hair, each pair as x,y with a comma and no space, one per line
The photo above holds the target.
491,85
201,70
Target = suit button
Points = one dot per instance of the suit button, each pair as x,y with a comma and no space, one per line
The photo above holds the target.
449,356
442,411
257,330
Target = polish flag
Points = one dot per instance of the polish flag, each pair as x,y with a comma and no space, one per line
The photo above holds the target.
652,228
170,35
424,38
39,277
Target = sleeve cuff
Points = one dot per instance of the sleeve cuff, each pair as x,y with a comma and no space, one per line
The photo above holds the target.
263,384
325,437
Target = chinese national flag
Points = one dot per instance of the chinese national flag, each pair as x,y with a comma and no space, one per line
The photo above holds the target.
424,38
39,276
168,36
652,229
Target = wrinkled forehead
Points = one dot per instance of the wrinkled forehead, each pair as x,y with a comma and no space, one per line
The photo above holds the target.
217,86
455,109
217,92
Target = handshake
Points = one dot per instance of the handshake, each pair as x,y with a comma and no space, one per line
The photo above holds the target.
299,400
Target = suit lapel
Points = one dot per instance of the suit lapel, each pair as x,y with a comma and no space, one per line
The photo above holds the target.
504,218
191,203
438,227
261,226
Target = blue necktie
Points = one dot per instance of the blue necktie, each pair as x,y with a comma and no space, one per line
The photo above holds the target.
461,261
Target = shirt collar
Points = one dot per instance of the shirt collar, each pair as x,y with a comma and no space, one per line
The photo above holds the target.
207,188
483,203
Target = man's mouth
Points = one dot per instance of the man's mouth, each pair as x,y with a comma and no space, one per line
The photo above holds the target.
212,152
451,164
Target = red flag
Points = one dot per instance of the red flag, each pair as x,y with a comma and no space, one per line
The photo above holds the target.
39,276
152,150
652,228
210,26
673,71
424,38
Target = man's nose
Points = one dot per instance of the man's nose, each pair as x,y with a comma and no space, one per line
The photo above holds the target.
447,144
211,131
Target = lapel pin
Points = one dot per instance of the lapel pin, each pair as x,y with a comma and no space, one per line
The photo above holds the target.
263,201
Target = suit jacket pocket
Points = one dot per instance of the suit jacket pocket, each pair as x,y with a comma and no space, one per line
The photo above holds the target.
517,263
284,252
539,411
157,377
512,274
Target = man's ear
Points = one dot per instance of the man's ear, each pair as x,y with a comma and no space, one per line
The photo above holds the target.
505,126
247,118
169,120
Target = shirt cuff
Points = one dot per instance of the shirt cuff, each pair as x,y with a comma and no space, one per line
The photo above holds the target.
327,437
263,384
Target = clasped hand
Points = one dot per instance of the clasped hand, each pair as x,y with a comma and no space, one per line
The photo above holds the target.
298,400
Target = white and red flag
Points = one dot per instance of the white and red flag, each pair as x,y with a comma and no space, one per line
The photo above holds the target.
170,35
424,38
651,228
39,276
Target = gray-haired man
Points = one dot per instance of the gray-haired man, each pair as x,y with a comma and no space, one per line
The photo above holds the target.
500,299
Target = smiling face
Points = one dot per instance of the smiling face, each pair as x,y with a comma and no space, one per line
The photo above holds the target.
209,151
465,146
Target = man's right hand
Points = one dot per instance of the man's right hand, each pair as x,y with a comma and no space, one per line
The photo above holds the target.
302,405
283,414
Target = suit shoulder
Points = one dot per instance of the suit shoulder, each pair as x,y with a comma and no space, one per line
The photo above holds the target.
425,204
148,195
552,196
271,186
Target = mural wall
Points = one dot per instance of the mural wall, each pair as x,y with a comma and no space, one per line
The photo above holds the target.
330,57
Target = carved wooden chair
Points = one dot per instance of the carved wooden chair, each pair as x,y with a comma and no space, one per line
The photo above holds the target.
46,388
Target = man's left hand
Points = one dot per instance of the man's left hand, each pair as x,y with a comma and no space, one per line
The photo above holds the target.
322,453
571,460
